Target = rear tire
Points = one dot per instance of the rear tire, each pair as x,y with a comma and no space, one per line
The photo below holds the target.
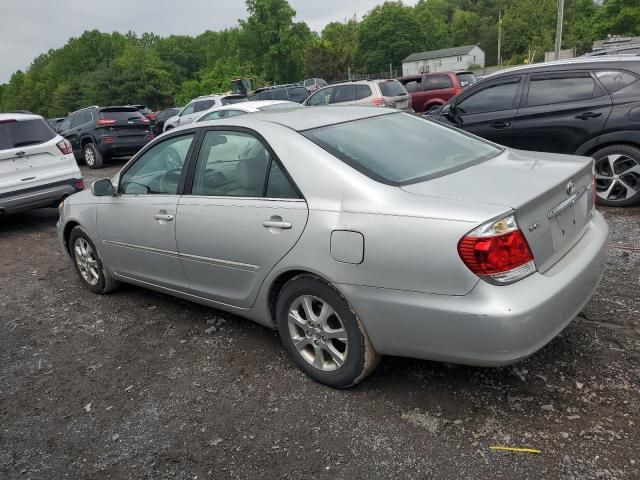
329,344
88,263
617,175
92,157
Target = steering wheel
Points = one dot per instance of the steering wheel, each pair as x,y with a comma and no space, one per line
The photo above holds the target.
170,180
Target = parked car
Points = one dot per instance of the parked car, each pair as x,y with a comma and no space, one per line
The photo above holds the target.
292,93
37,168
354,231
162,116
54,123
148,113
198,105
313,84
378,93
431,90
584,106
99,133
246,107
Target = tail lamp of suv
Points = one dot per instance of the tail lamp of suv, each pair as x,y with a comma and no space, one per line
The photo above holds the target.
497,252
65,146
379,102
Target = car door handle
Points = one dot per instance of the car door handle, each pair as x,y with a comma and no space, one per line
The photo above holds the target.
500,125
587,115
163,216
276,224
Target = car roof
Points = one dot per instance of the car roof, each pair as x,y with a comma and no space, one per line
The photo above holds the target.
19,116
578,62
250,106
300,119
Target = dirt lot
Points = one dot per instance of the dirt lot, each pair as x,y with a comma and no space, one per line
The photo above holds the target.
131,386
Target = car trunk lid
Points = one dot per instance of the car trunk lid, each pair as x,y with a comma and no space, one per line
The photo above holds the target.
551,196
125,123
395,95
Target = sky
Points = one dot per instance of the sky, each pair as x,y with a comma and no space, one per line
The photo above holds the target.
31,27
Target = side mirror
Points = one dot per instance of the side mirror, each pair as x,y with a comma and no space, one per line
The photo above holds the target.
102,188
446,110
450,112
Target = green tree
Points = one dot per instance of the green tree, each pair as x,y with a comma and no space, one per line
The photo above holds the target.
619,17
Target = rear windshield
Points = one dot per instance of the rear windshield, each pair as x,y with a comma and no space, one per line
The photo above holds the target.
278,106
392,88
26,132
232,100
121,115
466,79
421,149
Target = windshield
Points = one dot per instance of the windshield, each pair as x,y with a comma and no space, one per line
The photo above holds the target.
466,79
421,149
14,134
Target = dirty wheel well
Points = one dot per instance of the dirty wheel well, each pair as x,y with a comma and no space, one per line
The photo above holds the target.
276,288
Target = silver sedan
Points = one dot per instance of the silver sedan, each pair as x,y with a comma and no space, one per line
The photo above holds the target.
355,232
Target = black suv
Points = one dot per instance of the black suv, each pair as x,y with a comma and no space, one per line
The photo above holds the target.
293,93
99,133
584,106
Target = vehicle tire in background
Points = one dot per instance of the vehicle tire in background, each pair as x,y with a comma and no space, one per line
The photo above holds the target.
92,157
617,175
88,264
322,333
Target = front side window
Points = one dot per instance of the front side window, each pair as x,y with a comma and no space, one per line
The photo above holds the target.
66,124
159,169
426,149
321,97
189,109
547,89
236,164
76,119
266,95
280,94
203,105
497,97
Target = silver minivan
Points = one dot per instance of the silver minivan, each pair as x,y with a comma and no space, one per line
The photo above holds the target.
377,93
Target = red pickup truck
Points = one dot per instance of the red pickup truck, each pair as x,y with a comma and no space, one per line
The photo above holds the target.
430,90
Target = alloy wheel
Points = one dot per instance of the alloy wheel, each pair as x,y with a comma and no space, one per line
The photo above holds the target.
86,261
89,156
318,333
617,177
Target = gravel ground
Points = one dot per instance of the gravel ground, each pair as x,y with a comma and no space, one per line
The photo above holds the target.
130,385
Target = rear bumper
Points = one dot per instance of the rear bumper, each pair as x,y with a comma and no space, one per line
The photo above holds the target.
37,197
121,149
492,325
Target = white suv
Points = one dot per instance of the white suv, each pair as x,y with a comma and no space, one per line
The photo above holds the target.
37,167
197,106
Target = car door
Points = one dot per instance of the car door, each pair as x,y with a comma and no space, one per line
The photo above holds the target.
489,111
242,216
560,111
137,226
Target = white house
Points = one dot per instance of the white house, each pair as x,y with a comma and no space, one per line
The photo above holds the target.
447,59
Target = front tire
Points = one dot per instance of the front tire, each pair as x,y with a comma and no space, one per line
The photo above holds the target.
323,334
617,175
92,157
88,264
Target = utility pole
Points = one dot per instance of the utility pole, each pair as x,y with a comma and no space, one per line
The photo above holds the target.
559,29
499,36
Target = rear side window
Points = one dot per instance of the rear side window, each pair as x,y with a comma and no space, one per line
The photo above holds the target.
428,149
392,88
268,95
497,97
343,93
614,80
548,89
298,94
362,91
466,79
436,82
280,94
15,134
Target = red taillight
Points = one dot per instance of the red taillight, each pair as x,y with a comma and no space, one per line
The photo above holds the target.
11,120
498,251
79,184
108,139
145,120
152,116
457,90
379,102
107,121
65,146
